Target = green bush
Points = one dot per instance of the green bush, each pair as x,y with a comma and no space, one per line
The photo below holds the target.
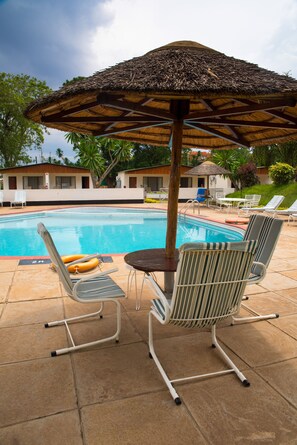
281,173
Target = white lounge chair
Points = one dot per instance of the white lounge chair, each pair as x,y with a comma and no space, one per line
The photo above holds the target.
272,205
1,197
289,211
207,290
222,204
97,287
19,198
266,231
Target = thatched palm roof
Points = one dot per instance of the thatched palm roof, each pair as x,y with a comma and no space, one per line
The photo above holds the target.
208,168
223,102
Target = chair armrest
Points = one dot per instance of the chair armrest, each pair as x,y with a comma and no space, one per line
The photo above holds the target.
255,279
94,275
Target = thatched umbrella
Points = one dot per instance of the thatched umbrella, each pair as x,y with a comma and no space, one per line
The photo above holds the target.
208,169
182,95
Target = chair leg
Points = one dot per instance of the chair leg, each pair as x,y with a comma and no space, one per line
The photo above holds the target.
75,347
255,317
132,276
168,382
226,358
153,355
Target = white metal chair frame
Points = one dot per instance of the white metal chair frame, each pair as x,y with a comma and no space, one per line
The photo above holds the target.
19,198
222,205
132,278
271,206
210,282
97,287
266,231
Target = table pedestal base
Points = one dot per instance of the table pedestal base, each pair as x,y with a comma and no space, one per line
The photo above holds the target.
168,282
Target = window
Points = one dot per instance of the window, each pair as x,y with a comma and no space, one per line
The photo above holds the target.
153,183
185,182
65,182
32,182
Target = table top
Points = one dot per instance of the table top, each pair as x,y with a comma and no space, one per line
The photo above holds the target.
152,260
233,199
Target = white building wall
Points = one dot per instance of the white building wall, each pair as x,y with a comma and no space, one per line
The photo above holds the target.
100,194
49,178
214,181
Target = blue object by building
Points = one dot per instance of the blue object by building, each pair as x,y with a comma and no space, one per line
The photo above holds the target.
201,194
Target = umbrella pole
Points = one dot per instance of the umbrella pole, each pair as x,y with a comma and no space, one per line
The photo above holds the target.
172,211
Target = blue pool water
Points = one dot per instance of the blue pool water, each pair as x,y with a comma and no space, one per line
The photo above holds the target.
103,230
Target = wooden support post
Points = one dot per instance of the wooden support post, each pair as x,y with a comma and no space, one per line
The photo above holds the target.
172,211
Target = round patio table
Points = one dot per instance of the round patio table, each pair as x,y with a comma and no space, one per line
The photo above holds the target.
155,260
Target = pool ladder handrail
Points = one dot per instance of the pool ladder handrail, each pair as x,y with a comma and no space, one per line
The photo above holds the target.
190,203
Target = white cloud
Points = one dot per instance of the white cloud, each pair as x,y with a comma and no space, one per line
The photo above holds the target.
250,30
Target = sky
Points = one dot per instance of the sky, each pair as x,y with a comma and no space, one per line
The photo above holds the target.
55,40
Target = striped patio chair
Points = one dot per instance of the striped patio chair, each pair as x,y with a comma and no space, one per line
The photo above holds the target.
97,287
210,282
266,231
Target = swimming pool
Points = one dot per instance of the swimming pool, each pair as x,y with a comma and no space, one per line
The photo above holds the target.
104,230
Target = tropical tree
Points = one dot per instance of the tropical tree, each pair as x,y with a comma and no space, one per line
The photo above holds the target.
87,149
114,151
247,175
144,155
17,134
271,154
99,155
231,160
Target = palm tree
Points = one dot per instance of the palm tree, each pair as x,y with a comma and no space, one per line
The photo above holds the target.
114,151
99,155
231,160
87,150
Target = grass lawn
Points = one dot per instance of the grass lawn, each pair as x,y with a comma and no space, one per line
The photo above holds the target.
267,192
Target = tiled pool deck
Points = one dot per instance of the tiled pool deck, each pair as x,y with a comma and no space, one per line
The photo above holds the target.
113,394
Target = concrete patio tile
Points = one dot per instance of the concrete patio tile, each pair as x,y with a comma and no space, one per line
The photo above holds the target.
35,389
3,292
6,278
96,328
35,276
290,294
228,413
139,320
59,429
191,355
282,377
27,312
145,420
115,373
287,325
74,308
271,302
280,265
254,289
8,265
28,342
258,343
34,291
291,274
274,281
35,267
